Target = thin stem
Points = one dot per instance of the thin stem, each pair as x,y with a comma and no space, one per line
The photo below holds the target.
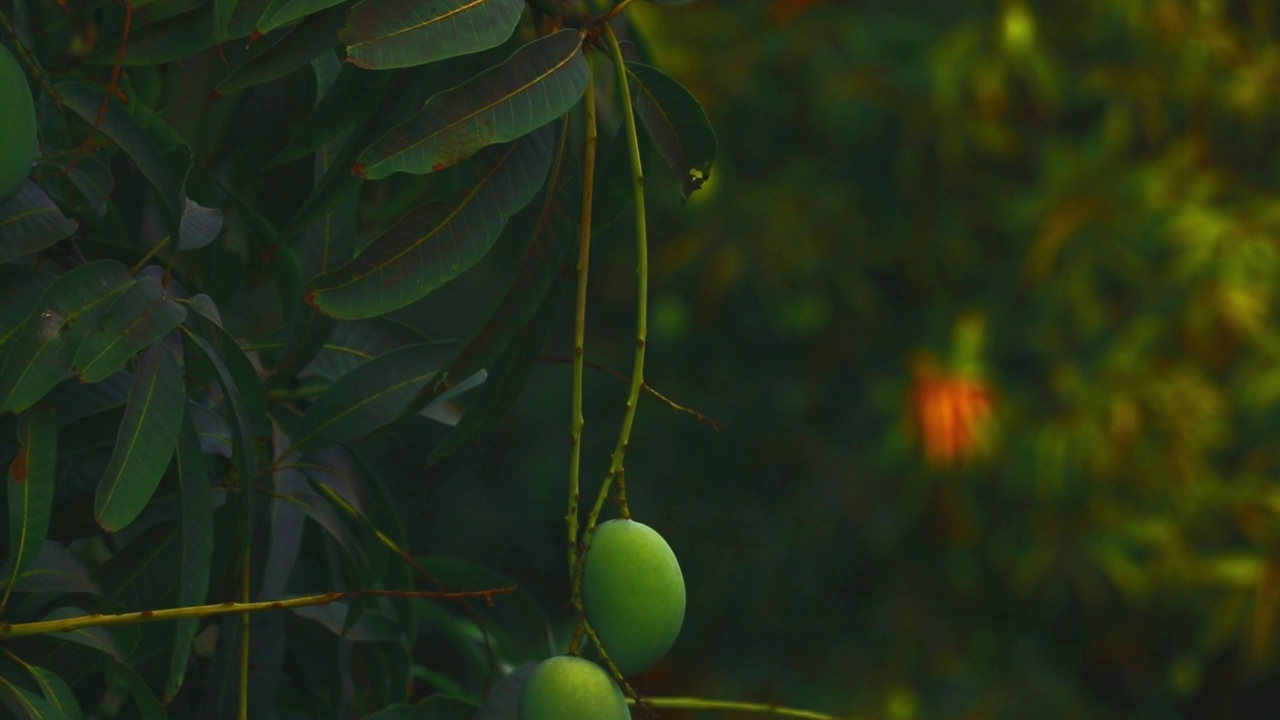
693,703
648,389
642,271
244,638
44,627
580,318
142,262
617,9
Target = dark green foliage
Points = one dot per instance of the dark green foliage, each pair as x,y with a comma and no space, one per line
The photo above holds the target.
225,360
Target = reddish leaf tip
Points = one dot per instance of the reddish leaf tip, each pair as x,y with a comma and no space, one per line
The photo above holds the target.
310,300
213,96
359,171
254,37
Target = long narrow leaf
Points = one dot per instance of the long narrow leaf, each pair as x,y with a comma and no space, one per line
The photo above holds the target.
536,85
31,480
145,441
139,317
30,222
676,122
196,530
436,243
382,34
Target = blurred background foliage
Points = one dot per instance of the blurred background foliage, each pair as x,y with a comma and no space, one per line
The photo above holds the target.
1067,210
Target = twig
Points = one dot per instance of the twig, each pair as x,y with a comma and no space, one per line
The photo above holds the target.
715,424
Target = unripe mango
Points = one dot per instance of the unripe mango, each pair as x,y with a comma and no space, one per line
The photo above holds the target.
17,126
570,688
633,593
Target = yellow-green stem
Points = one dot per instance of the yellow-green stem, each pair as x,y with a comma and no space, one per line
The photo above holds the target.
580,317
244,638
692,703
642,271
44,627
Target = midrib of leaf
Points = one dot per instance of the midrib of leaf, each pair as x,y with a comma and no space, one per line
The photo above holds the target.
363,403
653,101
26,502
119,337
498,101
35,211
420,25
133,440
453,212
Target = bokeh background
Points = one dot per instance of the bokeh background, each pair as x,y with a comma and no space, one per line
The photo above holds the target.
983,293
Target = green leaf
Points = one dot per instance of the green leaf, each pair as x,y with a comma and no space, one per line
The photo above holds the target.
282,12
145,441
315,35
437,242
118,125
222,12
508,377
34,706
196,531
57,692
383,34
149,708
435,707
372,626
42,351
31,481
19,296
30,222
243,403
547,228
502,701
139,316
370,396
537,84
677,124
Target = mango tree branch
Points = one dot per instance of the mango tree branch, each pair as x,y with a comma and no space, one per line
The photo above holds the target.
693,703
44,627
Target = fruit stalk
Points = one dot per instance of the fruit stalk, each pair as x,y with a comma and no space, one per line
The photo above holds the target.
580,312
642,271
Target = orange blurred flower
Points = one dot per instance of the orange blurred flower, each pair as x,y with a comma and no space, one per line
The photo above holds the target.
951,413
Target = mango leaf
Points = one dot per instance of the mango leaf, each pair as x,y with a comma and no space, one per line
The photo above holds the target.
384,34
149,708
31,481
19,297
537,84
507,378
31,705
145,440
355,342
93,179
198,225
548,228
141,315
435,243
435,707
282,12
222,12
118,125
183,34
241,391
196,532
30,222
56,570
677,124
370,396
41,353
313,36
57,692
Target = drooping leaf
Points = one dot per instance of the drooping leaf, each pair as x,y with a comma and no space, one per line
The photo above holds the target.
31,705
93,179
141,315
676,122
196,531
282,12
502,702
222,12
434,244
197,225
231,382
56,570
371,627
145,701
31,481
30,222
19,296
145,441
118,125
42,351
57,692
370,396
315,35
355,342
537,84
384,34
507,378
546,229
